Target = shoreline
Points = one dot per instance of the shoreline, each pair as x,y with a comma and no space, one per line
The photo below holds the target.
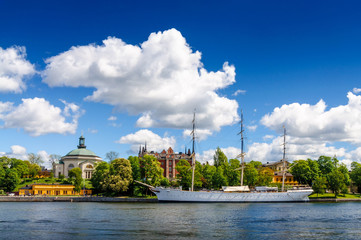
127,200
74,199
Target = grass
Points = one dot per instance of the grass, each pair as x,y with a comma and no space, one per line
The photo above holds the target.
332,195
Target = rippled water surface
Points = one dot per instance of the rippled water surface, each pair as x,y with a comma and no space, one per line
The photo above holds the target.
61,220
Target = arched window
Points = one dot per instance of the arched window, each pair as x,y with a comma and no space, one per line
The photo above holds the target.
70,166
89,166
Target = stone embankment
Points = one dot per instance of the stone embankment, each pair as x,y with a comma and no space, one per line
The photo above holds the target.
73,199
335,200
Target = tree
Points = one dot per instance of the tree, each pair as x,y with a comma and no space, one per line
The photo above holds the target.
251,175
301,171
54,158
184,175
76,178
219,179
111,155
21,167
100,172
325,164
220,159
207,175
119,177
35,159
10,180
356,175
233,175
319,185
34,169
336,181
265,176
151,171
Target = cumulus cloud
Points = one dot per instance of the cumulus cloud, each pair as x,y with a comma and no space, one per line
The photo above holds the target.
200,134
13,69
341,123
239,91
296,148
154,141
17,151
162,80
252,128
356,90
38,117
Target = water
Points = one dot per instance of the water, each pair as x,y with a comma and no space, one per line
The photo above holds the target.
59,220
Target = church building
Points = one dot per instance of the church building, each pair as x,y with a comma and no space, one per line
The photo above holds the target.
80,157
168,159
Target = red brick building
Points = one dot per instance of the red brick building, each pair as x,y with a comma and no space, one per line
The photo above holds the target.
168,159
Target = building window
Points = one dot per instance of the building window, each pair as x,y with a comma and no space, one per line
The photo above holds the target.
170,163
170,169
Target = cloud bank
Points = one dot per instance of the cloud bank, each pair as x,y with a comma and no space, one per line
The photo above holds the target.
13,69
154,141
38,117
162,80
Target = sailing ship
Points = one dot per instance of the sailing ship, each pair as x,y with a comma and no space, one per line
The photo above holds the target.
233,193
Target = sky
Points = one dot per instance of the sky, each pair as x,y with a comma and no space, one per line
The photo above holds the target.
126,73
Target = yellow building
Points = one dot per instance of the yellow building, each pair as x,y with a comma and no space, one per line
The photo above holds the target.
52,189
277,178
277,167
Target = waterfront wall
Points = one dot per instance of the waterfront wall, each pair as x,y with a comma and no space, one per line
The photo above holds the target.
73,199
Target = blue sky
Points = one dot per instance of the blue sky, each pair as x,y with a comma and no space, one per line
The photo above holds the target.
126,72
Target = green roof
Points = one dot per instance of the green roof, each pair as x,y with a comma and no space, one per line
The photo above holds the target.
81,151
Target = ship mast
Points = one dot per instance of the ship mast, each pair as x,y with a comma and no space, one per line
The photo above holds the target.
193,153
284,158
242,153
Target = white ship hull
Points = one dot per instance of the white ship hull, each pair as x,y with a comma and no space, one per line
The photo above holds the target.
176,195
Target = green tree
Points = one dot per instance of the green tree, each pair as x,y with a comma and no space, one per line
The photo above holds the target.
220,159
319,185
356,175
326,165
336,181
208,172
234,176
21,167
100,172
151,171
134,188
184,175
10,180
219,179
301,171
75,177
251,175
122,169
265,176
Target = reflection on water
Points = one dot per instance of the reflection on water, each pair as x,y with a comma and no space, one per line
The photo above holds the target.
62,220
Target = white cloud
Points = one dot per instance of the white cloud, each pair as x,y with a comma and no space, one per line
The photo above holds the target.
200,134
162,80
296,148
13,69
268,137
154,141
239,91
38,117
356,90
17,151
252,128
112,118
340,123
